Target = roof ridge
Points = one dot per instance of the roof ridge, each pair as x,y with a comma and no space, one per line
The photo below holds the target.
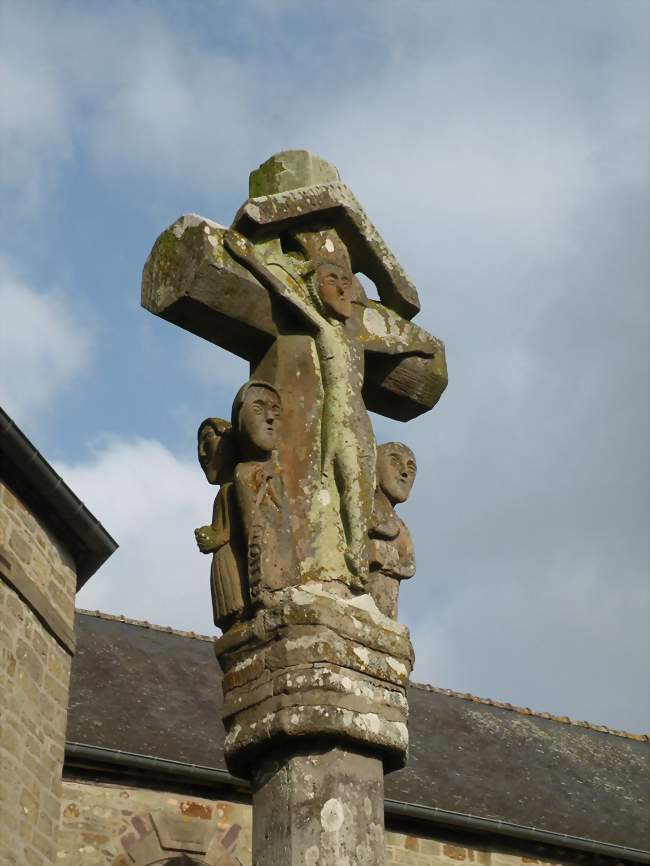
143,623
526,711
490,702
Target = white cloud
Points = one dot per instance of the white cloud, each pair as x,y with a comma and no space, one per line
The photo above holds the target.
151,502
122,89
36,137
475,132
44,346
173,112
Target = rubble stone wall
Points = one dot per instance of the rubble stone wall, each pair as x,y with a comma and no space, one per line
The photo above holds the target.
37,584
113,825
46,562
110,825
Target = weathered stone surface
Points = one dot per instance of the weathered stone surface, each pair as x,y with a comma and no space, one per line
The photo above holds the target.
368,252
305,684
191,280
320,808
129,826
289,170
356,618
315,666
392,558
36,624
250,537
313,645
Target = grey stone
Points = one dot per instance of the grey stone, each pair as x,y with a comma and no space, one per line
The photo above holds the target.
319,809
392,558
315,666
288,170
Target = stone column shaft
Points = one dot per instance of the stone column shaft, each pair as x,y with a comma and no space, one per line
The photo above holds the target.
319,809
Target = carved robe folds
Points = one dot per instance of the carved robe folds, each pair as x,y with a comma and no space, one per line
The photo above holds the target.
230,597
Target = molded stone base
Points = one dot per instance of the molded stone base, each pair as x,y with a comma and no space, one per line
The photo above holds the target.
318,667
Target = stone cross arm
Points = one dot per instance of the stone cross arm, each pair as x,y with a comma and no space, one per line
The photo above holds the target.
191,280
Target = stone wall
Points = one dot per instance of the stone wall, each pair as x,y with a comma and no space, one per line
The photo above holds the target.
37,593
113,825
420,851
110,825
23,538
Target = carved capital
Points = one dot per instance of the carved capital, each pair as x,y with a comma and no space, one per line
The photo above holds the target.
315,665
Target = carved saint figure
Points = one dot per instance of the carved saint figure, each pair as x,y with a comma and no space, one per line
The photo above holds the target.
224,536
256,416
392,558
320,290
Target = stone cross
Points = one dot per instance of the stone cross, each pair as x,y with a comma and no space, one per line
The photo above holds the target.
315,666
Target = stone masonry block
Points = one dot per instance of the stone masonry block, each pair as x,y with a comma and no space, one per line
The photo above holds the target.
315,666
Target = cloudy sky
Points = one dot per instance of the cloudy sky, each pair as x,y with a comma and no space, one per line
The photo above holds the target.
502,150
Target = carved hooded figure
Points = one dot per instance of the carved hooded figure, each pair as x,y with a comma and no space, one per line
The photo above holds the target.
256,415
224,536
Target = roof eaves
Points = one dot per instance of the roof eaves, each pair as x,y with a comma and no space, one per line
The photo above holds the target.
61,510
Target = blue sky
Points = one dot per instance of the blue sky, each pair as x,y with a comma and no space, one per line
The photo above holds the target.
502,150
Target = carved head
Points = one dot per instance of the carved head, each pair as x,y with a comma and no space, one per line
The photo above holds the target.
396,469
328,273
334,285
256,415
214,447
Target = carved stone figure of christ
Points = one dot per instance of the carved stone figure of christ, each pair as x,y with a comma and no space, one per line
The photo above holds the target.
320,289
392,558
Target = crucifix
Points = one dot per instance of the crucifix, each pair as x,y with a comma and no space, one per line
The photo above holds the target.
248,303
296,580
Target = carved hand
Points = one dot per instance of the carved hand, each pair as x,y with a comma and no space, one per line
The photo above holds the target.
206,538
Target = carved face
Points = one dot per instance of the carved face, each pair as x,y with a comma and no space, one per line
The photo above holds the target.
396,470
334,286
259,418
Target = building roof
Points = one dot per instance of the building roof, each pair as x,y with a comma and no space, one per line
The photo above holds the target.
50,499
151,691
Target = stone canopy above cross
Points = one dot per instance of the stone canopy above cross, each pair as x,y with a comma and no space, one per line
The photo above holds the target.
260,289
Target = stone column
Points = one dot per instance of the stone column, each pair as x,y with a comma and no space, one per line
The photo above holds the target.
318,807
315,711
